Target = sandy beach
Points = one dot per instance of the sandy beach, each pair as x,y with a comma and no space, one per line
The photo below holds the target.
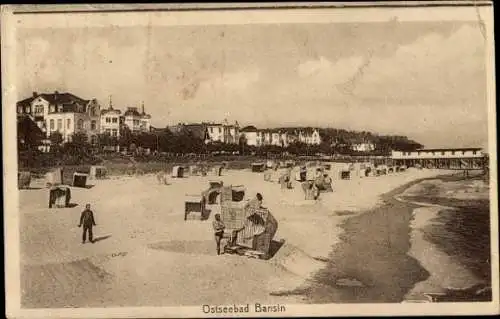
147,255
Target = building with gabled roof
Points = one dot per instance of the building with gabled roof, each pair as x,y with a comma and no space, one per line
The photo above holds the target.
65,113
137,121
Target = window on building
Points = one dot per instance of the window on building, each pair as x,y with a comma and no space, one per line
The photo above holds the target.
79,124
108,120
452,152
442,153
68,124
93,125
115,120
60,108
28,109
211,130
463,152
136,122
220,130
474,152
93,139
52,108
59,124
115,132
52,125
20,109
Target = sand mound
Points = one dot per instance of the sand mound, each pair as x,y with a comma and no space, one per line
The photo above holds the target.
296,261
206,247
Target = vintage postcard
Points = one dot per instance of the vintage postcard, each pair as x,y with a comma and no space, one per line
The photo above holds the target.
250,160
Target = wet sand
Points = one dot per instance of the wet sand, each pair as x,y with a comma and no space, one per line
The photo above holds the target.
451,238
370,264
400,251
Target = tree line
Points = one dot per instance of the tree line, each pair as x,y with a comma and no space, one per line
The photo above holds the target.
334,141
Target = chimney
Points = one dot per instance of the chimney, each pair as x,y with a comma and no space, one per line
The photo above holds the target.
35,94
143,108
56,95
110,103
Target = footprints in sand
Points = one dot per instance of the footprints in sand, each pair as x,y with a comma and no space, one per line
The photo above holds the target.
135,233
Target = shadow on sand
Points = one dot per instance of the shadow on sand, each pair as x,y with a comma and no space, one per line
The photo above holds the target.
275,247
71,205
198,215
99,238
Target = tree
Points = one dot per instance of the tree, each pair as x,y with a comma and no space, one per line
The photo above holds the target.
125,137
29,135
56,138
80,139
243,144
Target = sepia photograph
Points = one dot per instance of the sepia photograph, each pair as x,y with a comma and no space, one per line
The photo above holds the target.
250,160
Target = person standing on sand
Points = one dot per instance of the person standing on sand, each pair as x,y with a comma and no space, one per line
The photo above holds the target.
256,203
219,227
87,220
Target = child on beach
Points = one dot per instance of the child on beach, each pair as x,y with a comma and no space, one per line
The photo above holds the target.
87,220
219,227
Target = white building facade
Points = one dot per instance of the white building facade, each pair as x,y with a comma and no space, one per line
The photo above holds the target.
64,113
454,153
137,121
223,132
363,147
110,121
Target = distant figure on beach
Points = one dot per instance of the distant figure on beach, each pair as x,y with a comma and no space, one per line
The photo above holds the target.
219,227
303,173
256,202
319,173
87,220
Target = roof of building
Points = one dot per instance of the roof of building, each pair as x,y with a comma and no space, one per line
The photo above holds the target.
110,110
249,128
54,98
133,111
197,130
212,124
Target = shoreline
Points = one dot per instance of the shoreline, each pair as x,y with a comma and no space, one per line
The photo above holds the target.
396,270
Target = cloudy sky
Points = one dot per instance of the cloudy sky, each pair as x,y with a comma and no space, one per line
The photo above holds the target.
426,80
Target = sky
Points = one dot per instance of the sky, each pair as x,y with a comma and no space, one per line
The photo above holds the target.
425,80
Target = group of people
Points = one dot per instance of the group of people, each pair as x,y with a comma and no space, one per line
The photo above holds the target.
220,228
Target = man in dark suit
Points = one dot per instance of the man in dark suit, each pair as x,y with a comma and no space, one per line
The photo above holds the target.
87,220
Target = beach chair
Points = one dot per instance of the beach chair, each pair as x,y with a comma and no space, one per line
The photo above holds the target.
178,172
161,177
267,177
23,180
98,172
80,180
258,167
311,192
59,196
194,203
345,174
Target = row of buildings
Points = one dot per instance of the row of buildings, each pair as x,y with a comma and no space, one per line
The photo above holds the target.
232,134
68,114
